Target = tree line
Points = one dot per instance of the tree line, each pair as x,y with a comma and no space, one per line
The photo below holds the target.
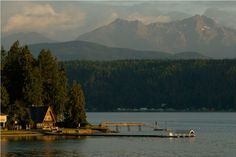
180,85
27,82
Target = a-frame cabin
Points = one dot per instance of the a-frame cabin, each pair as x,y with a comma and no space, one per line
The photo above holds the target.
43,117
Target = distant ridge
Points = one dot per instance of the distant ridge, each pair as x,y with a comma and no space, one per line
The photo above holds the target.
81,50
24,38
189,55
194,34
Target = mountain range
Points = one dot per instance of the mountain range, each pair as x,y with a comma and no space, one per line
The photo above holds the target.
194,34
81,50
123,39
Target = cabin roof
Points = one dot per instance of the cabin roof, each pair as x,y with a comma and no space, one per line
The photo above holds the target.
38,113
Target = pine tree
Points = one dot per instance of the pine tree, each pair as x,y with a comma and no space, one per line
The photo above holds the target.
54,82
4,94
32,87
76,106
4,100
48,70
13,75
61,96
3,58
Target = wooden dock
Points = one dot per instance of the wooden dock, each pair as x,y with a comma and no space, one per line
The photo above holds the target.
122,135
137,135
122,124
160,132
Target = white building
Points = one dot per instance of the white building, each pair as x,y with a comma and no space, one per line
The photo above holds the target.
3,120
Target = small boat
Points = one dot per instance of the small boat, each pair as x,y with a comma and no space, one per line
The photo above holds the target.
182,133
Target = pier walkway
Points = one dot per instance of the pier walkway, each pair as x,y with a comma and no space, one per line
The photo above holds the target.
122,124
124,135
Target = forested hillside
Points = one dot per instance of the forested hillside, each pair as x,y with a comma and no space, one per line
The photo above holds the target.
81,50
188,85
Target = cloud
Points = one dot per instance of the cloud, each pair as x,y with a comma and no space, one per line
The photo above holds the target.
149,19
40,10
42,17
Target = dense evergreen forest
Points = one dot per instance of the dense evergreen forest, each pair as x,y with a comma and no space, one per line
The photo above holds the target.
183,85
28,82
123,85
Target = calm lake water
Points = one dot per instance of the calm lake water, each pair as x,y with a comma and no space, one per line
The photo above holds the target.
215,137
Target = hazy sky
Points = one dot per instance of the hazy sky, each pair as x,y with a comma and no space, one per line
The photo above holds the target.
61,20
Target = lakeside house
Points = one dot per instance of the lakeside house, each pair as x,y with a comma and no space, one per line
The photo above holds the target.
3,120
43,117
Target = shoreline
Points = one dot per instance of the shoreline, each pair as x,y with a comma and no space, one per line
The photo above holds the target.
162,111
21,133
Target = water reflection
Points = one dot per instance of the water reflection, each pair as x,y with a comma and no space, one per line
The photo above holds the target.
213,139
48,146
183,140
56,153
38,138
